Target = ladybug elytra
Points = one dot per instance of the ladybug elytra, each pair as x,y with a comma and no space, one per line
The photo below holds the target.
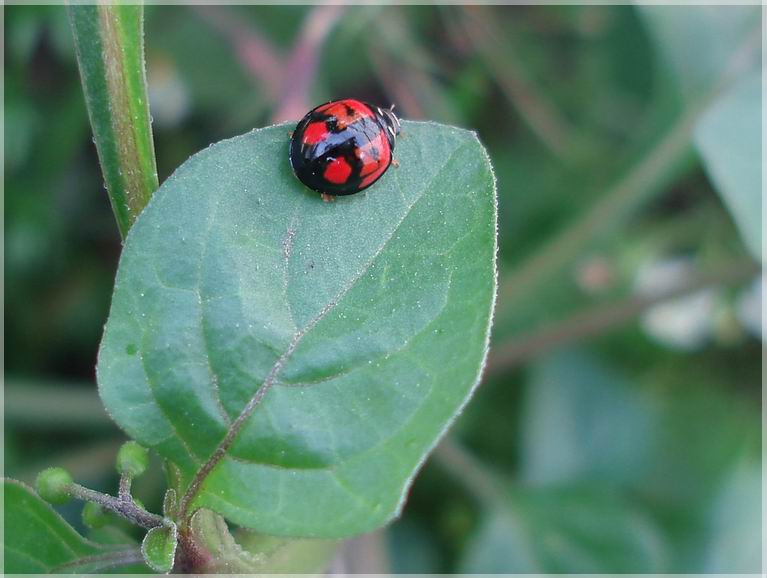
343,146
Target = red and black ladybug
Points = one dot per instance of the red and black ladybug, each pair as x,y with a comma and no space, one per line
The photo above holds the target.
344,146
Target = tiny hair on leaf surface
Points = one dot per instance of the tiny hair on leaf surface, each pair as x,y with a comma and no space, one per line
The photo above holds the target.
295,359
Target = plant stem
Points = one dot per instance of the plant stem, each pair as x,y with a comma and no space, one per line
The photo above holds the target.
597,320
125,484
109,43
124,507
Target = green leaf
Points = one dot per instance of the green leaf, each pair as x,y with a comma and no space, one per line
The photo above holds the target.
38,540
109,41
365,322
729,139
569,530
159,548
583,422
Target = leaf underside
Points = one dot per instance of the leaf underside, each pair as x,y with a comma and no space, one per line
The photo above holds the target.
372,314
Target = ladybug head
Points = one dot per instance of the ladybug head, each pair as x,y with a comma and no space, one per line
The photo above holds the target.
391,123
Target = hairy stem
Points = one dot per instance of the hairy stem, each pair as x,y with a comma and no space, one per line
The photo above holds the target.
125,484
124,507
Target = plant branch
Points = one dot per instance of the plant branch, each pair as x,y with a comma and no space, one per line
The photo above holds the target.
595,321
123,506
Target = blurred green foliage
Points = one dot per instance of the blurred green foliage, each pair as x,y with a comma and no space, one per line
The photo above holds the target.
635,452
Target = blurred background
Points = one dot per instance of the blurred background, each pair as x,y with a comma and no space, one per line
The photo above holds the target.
617,428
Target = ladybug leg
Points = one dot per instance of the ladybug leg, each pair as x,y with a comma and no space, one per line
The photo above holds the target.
327,198
395,163
290,134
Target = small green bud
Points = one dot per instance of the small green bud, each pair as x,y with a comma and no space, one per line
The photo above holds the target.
170,504
132,459
53,485
94,515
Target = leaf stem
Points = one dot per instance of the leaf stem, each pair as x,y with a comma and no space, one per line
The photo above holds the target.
123,506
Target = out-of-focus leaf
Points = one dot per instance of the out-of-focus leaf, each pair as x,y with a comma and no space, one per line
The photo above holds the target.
38,540
368,315
565,530
699,42
581,421
729,139
671,438
735,520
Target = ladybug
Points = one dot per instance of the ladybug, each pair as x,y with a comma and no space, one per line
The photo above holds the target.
343,146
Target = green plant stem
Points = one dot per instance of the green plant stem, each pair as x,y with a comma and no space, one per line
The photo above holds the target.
645,179
109,43
123,506
595,321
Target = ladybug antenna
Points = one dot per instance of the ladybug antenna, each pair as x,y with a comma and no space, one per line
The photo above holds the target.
392,122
